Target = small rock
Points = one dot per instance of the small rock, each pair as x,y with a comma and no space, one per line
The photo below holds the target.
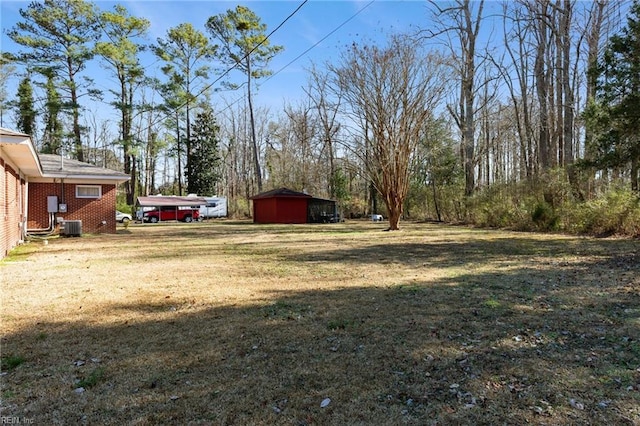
79,390
576,404
325,402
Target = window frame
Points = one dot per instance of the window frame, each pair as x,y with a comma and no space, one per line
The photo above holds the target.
98,187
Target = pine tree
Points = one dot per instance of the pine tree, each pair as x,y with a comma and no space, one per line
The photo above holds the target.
121,54
244,45
203,173
187,52
614,116
53,132
26,114
59,35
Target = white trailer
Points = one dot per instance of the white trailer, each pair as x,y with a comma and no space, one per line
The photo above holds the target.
215,207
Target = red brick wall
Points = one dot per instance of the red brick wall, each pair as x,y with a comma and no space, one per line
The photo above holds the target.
12,192
90,211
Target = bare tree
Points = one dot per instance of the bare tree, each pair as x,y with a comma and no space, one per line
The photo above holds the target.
327,108
517,79
461,20
393,90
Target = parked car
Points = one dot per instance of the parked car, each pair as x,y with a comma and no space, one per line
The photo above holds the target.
377,217
181,213
122,217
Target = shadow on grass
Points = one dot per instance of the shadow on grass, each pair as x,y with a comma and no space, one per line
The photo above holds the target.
552,346
196,239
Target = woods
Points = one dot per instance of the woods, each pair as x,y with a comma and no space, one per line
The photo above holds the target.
519,114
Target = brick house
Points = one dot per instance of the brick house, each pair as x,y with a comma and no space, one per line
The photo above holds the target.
39,191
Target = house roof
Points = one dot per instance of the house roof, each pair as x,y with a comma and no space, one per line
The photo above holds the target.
18,149
55,166
281,192
169,201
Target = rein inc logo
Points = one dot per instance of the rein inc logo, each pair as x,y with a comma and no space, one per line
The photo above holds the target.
14,420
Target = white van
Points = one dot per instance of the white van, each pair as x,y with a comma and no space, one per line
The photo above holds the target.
215,207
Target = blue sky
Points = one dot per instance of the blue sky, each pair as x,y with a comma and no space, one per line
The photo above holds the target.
315,20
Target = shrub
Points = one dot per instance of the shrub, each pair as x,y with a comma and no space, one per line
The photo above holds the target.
615,212
544,217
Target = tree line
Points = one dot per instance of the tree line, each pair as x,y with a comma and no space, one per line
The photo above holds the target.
522,113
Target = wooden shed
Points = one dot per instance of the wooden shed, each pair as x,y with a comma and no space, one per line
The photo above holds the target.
283,205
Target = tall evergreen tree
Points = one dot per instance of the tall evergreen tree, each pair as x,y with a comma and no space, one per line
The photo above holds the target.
244,45
26,114
204,171
614,116
53,132
60,35
186,52
121,53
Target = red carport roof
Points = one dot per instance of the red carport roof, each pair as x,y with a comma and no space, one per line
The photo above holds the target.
169,200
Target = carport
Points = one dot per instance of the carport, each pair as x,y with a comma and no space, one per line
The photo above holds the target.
168,201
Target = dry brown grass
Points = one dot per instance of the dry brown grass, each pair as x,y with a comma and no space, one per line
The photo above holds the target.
235,323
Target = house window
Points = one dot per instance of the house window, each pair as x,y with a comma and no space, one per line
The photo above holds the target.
88,191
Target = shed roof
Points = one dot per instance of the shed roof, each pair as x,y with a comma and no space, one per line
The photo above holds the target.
169,201
281,192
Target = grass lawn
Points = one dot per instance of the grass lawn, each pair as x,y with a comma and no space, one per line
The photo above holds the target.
231,323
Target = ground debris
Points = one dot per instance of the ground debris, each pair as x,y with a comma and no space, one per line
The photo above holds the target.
576,404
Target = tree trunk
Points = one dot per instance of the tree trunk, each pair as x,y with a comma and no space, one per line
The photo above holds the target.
542,89
77,134
178,148
435,200
593,44
254,142
635,175
568,152
394,207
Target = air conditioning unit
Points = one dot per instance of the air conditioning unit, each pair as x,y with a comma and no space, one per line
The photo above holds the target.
71,228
